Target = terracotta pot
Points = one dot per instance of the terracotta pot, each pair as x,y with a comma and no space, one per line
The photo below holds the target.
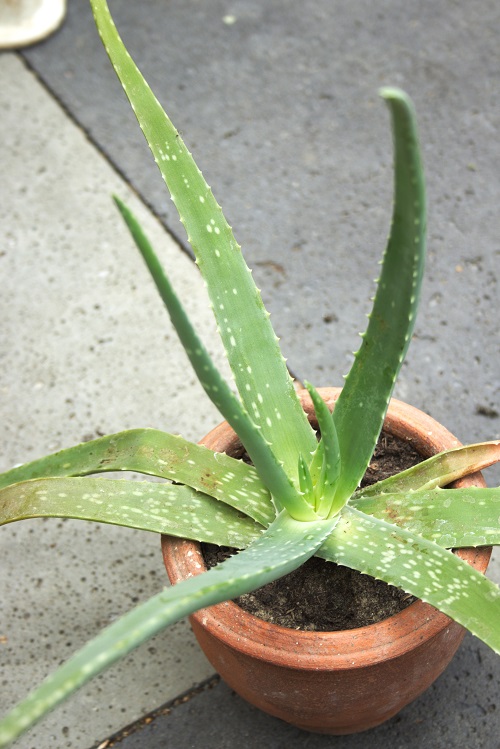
329,682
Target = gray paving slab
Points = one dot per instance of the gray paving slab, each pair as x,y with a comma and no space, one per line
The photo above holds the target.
450,715
86,349
278,102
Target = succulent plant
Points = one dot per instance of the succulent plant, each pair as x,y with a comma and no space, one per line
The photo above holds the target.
300,496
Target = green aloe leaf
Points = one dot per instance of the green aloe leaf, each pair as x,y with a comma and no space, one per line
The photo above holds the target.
283,547
360,410
162,508
331,466
451,518
253,351
305,480
438,471
316,465
217,389
160,454
420,567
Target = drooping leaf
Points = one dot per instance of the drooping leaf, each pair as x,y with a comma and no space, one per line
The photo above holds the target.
254,355
162,508
438,471
283,547
361,407
160,454
420,567
451,518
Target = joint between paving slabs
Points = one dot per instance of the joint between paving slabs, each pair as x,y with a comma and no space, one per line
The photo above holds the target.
166,709
182,244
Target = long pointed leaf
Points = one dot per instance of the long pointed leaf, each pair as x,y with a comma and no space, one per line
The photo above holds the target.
259,369
156,453
316,464
163,508
305,480
217,389
451,518
282,548
331,468
360,410
440,470
420,567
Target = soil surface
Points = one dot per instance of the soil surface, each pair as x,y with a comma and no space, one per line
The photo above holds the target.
322,596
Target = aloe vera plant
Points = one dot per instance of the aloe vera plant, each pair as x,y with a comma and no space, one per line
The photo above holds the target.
300,496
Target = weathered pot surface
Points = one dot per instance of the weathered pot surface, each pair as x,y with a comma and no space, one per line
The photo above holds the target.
329,682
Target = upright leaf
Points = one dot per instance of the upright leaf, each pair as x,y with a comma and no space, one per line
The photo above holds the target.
360,410
331,467
269,469
259,369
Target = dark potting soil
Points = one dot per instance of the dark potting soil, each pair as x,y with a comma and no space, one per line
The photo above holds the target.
322,596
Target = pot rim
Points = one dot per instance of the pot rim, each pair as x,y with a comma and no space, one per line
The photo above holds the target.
346,649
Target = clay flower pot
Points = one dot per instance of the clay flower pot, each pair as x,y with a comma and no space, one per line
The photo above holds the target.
329,682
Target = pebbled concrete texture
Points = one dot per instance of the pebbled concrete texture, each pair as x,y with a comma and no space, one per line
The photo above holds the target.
278,102
86,350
